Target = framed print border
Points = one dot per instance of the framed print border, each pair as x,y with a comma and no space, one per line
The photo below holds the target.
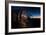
6,16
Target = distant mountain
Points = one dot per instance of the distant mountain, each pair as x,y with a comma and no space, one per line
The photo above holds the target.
35,16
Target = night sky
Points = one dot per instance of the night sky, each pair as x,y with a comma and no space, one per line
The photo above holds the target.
34,11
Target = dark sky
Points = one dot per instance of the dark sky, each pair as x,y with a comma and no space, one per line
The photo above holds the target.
34,11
